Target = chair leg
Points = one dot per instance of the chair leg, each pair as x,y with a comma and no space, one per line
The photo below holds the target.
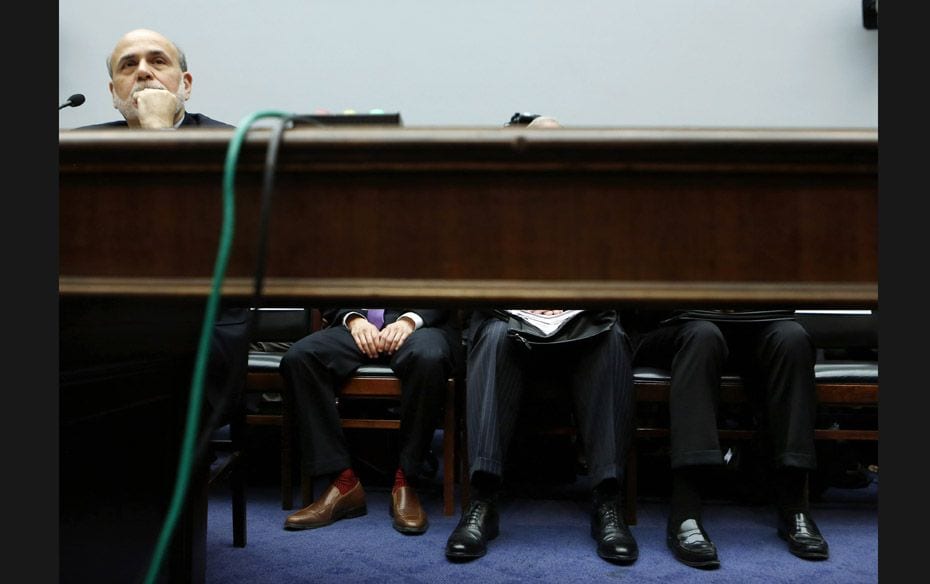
629,477
448,452
287,487
237,480
463,453
287,484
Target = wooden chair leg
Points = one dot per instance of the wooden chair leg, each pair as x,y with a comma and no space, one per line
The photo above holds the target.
448,452
237,478
287,465
464,474
287,486
629,499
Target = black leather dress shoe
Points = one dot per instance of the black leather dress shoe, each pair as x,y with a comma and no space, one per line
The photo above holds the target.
615,543
803,537
479,524
691,545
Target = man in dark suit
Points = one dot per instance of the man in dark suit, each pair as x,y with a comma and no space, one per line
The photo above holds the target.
423,347
149,83
597,371
775,356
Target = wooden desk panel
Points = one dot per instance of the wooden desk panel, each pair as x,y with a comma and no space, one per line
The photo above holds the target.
482,216
461,217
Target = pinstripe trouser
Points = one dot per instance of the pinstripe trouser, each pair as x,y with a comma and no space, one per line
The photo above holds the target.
597,371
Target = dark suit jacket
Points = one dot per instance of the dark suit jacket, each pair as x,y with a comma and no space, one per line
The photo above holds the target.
190,121
431,317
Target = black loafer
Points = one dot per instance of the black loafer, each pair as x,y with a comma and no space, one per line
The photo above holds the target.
615,543
691,545
803,537
479,524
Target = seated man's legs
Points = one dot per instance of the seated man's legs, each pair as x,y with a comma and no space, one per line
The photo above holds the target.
602,390
312,369
781,367
494,388
495,383
695,353
424,363
601,381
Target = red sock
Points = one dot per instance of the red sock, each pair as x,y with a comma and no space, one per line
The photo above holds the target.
400,480
345,481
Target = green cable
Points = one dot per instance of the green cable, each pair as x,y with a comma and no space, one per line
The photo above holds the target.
219,273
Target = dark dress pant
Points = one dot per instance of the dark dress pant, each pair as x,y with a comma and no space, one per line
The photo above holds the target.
776,362
596,371
315,367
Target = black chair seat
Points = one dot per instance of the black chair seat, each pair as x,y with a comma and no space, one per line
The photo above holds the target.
650,374
847,372
262,362
374,371
834,372
656,375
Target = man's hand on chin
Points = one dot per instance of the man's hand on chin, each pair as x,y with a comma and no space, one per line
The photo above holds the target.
157,108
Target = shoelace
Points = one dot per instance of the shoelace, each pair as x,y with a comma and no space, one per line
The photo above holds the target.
473,512
610,516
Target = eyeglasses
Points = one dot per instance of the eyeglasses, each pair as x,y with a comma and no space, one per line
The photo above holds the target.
521,119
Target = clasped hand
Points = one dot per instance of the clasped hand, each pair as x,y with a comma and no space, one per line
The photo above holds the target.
156,107
373,342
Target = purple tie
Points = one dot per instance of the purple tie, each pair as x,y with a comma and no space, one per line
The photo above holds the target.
376,317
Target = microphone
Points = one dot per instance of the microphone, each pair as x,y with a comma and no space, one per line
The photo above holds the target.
74,101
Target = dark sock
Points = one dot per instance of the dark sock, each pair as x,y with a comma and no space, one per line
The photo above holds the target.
606,490
791,490
686,495
400,480
345,480
485,485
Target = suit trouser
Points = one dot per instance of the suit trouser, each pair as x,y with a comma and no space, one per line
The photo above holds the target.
776,362
597,372
314,369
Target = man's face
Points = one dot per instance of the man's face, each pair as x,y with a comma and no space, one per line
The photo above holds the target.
145,59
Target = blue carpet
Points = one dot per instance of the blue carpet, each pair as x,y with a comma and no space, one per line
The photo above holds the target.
541,540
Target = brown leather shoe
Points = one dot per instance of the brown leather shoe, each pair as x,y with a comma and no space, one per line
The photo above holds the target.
409,516
330,507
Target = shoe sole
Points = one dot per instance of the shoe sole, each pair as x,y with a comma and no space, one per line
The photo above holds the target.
462,557
703,564
801,554
624,560
357,512
410,530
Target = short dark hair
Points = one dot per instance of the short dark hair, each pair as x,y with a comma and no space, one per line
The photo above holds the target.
521,119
